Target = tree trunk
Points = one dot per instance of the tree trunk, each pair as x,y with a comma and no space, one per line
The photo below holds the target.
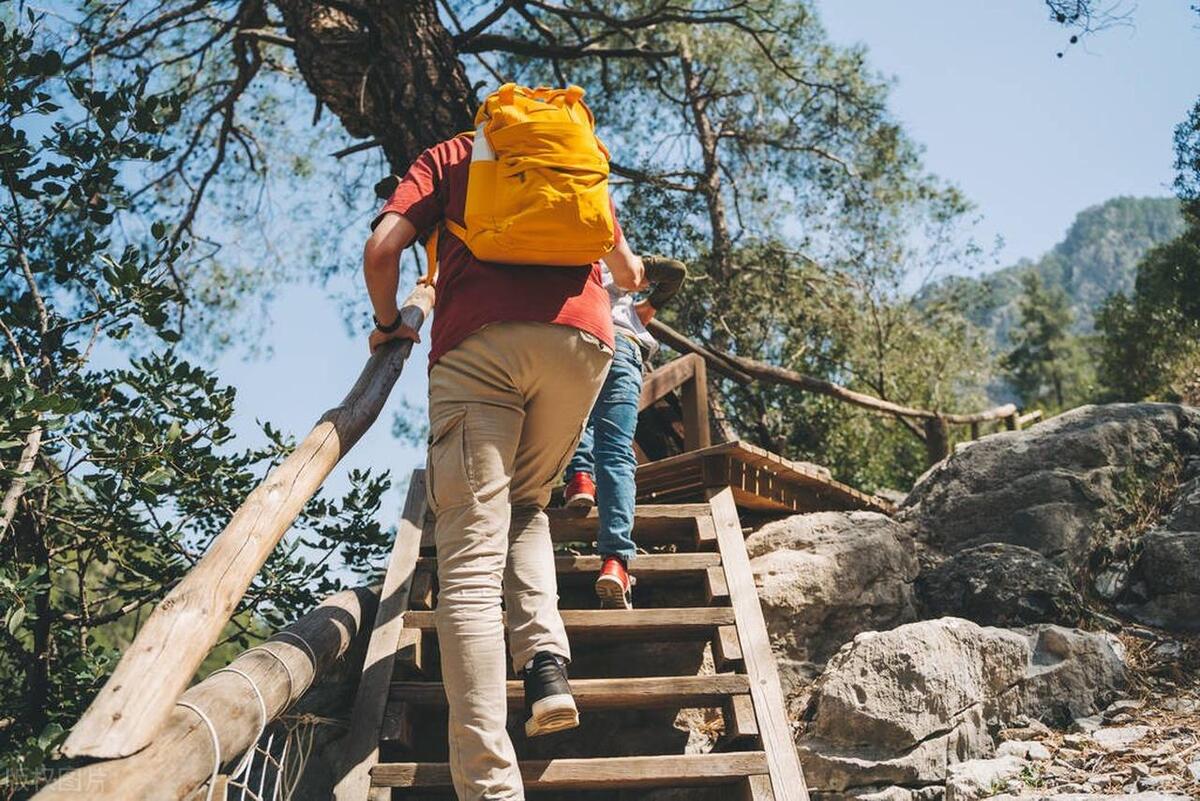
388,70
710,187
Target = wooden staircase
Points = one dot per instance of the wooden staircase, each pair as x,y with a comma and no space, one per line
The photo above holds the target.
698,546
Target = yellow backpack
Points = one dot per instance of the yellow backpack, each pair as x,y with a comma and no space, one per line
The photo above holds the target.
537,191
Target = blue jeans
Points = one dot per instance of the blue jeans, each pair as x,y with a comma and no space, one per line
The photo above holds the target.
606,450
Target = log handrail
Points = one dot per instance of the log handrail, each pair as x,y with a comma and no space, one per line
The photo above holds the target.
744,371
180,759
156,668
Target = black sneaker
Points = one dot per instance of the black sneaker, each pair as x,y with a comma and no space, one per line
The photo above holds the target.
548,700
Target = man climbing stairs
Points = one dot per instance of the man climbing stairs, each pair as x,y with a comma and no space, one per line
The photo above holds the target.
698,547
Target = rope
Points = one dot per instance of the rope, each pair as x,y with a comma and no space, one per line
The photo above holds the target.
216,742
303,642
297,722
262,705
282,663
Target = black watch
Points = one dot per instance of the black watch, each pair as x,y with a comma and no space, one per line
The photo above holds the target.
387,329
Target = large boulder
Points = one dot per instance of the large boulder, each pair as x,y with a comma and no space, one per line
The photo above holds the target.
1049,488
998,584
825,577
900,707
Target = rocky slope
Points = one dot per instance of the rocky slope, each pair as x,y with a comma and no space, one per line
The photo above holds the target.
1022,627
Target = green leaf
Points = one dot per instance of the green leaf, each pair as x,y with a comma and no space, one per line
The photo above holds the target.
15,618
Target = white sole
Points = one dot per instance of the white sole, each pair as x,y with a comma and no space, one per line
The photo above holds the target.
581,501
612,594
552,713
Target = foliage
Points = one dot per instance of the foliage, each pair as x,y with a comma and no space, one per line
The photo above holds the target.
1151,338
118,468
766,156
1150,341
1046,363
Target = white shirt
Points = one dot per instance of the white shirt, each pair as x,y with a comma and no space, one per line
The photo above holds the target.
625,318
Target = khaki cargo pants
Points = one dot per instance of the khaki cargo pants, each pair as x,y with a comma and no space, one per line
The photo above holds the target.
506,409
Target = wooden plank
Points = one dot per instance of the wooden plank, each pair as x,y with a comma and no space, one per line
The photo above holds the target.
787,779
180,759
727,651
756,788
655,692
607,773
741,727
697,623
360,748
410,653
422,594
652,523
668,378
160,663
652,567
716,591
706,533
815,485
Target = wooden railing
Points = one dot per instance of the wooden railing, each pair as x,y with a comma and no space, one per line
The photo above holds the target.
155,669
689,375
932,427
179,760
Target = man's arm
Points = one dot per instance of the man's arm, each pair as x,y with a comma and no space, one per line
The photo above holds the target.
626,267
381,271
667,276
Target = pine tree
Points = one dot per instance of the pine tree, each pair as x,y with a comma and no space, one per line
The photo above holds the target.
1043,363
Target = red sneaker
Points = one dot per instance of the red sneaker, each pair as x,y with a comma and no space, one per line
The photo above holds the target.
581,491
614,586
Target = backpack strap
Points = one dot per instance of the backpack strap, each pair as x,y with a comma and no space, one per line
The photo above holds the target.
431,248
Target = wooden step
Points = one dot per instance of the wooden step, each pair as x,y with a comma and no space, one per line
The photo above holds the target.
608,773
652,524
646,567
658,692
673,624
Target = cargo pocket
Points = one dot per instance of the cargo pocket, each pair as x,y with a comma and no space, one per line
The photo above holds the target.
447,479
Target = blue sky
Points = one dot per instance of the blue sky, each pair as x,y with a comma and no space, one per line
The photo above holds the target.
1031,139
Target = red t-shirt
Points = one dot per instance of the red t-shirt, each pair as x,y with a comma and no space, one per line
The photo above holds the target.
473,293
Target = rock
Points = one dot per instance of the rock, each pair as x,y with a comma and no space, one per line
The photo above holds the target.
1184,514
1134,796
1050,487
1166,587
825,577
1023,749
975,778
998,584
1023,730
902,706
1121,706
1194,769
1071,673
1119,738
892,793
1087,724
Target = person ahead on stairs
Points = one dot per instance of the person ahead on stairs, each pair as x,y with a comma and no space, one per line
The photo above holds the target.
602,471
522,340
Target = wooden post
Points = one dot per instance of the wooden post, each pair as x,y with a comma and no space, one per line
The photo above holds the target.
180,759
141,693
937,439
974,430
694,398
